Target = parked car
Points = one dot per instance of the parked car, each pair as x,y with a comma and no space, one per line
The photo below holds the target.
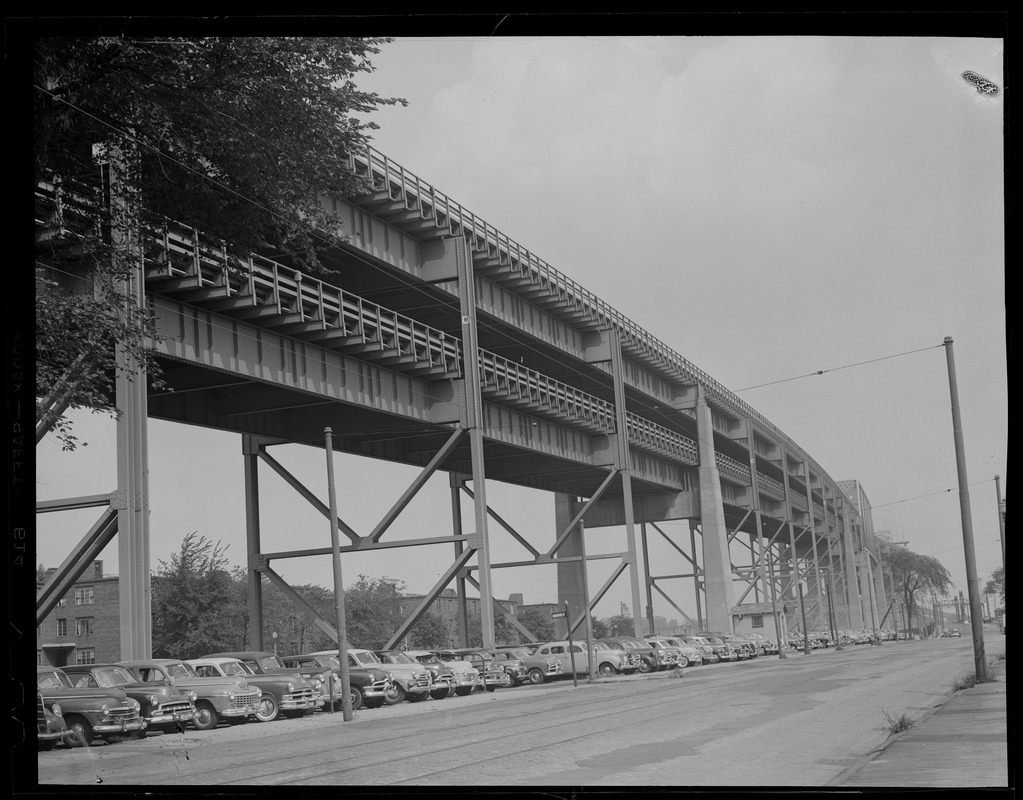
631,661
408,681
50,725
441,678
955,633
742,644
230,699
724,650
539,669
689,655
162,705
464,677
88,712
283,692
707,652
492,675
369,685
515,671
647,658
607,661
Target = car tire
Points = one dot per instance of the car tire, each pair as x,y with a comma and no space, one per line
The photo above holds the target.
645,666
683,661
395,696
491,687
206,717
79,732
417,697
507,681
606,670
463,691
357,699
440,694
268,709
536,676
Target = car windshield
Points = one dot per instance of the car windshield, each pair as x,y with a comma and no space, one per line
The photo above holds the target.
252,666
53,680
612,645
233,668
179,669
270,662
113,676
426,658
396,658
366,658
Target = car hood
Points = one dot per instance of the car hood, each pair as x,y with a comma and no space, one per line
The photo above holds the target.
84,693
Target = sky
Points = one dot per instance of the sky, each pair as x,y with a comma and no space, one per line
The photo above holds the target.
804,218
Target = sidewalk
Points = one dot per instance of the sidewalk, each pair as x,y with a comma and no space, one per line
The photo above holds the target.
961,743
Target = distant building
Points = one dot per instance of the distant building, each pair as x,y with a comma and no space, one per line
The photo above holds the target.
446,607
84,627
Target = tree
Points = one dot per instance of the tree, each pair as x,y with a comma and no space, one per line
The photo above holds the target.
601,630
620,625
429,633
916,574
238,137
537,623
504,633
997,584
374,609
195,601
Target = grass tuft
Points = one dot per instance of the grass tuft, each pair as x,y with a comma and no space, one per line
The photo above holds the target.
896,725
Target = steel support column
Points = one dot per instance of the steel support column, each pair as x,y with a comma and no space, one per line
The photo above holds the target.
852,586
133,554
716,561
254,595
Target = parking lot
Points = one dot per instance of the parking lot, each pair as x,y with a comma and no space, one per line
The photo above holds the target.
798,721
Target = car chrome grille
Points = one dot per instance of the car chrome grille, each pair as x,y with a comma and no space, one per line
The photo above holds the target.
422,680
303,694
243,700
175,706
123,713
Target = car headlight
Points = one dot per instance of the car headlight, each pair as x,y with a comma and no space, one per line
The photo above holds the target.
193,696
134,703
154,700
104,709
318,684
291,687
230,695
55,708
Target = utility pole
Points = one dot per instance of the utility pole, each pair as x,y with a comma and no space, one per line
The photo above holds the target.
976,615
347,714
1001,516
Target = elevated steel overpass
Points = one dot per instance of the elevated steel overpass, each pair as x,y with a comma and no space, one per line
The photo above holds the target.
433,339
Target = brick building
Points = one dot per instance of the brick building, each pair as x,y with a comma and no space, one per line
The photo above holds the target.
84,627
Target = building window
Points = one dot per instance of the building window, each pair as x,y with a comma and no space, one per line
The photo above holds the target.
757,620
84,626
62,601
83,596
85,655
62,627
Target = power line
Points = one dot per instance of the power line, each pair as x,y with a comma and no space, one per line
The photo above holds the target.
835,369
931,494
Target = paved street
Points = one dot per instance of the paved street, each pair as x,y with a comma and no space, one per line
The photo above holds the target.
802,721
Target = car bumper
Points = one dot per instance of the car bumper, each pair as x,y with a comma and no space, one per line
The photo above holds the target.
49,736
303,704
170,719
122,726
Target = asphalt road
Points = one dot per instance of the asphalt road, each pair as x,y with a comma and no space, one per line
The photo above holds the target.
800,721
